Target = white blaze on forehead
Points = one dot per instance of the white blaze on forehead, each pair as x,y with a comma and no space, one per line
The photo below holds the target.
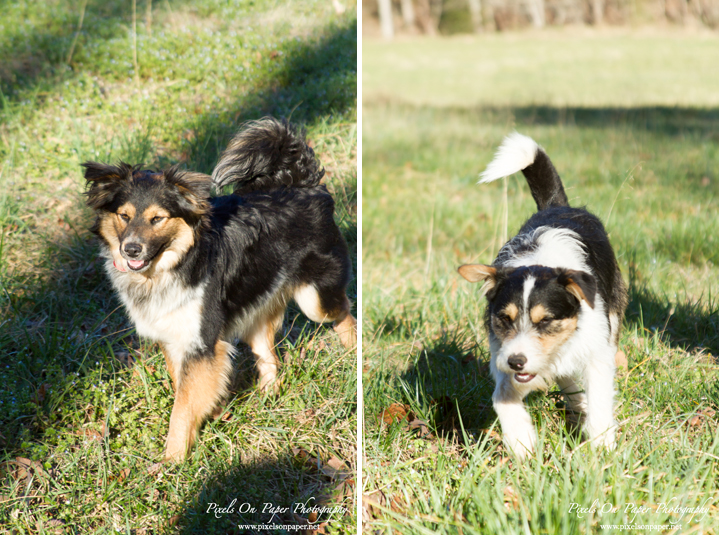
528,286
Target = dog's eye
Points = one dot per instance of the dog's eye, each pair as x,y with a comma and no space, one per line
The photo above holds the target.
155,220
504,318
544,322
124,217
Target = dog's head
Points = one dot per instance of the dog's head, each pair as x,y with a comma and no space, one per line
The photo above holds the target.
148,220
532,312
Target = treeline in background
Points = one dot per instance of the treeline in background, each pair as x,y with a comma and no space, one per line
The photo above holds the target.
432,17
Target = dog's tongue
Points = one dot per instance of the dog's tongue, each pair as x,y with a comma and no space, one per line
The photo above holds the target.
118,267
135,264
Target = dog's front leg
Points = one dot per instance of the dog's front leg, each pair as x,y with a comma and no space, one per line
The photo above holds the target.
518,430
202,382
599,381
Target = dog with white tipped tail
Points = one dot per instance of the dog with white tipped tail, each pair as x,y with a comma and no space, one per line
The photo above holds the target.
556,301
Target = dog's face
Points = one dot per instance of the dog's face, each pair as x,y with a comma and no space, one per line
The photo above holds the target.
533,311
147,220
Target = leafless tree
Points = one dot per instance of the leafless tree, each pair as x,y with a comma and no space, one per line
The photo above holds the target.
385,18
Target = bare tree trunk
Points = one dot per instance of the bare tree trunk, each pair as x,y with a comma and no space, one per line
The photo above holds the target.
597,7
425,20
385,18
677,10
536,12
407,13
475,10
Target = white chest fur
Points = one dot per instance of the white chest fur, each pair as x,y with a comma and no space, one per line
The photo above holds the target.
162,308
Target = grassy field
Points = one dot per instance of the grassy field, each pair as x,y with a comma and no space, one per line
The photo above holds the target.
85,403
630,122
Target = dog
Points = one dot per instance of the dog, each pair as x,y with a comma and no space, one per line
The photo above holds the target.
196,272
556,300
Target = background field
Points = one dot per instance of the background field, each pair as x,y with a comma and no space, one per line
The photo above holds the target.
630,121
84,403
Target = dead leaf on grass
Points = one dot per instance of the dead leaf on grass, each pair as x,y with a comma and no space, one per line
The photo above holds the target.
41,393
335,469
125,358
305,458
154,468
52,526
25,467
700,416
421,426
306,416
372,504
395,413
122,475
397,503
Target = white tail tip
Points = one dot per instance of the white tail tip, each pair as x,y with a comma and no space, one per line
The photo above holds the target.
514,154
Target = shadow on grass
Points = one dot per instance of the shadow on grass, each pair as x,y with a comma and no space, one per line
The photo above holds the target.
266,497
447,384
662,120
316,82
686,325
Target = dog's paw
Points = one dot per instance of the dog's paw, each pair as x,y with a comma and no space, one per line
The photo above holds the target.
270,384
521,446
347,331
605,440
602,436
174,453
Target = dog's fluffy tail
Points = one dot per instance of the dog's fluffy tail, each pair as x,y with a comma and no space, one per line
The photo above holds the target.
522,153
265,155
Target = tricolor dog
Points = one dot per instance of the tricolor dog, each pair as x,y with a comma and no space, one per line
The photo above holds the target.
195,272
556,301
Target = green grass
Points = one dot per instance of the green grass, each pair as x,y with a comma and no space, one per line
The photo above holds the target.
644,157
85,403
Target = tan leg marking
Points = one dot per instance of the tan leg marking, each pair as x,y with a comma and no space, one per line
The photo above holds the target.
345,325
262,342
202,384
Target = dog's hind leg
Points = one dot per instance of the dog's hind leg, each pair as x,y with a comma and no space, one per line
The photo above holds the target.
201,384
576,402
329,304
573,394
262,341
599,381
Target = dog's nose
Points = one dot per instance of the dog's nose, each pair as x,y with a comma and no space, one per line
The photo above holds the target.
517,362
132,249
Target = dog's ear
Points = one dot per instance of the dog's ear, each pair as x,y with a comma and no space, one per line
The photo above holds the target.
478,272
104,182
580,284
193,188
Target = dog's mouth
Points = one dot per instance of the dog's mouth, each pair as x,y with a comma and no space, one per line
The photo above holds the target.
523,377
137,265
133,265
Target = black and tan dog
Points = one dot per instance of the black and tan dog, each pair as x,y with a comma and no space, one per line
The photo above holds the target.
195,271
